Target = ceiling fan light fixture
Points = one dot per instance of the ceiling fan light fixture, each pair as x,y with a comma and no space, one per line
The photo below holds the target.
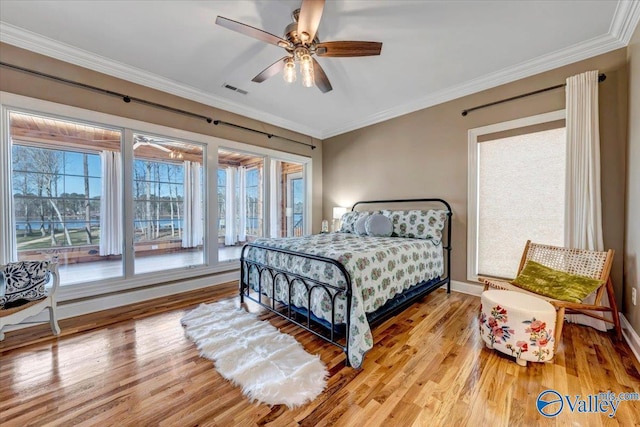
289,72
306,70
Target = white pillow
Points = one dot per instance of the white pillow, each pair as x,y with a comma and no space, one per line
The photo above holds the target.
379,225
360,226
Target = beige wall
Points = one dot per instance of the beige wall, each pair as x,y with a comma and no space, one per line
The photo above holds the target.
424,154
632,235
36,87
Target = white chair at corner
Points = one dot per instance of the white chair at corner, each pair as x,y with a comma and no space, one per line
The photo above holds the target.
17,315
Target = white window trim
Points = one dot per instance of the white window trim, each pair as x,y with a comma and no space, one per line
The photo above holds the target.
472,178
11,101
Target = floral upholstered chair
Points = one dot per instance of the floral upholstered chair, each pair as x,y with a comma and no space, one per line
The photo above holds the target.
24,292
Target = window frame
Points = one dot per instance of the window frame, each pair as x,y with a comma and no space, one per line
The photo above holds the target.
473,178
129,280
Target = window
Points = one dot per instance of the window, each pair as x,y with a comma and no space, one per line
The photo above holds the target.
241,185
222,194
516,191
58,189
295,187
288,207
167,198
122,203
254,202
158,198
56,197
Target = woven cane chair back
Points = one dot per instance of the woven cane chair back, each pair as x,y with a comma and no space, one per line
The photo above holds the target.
580,262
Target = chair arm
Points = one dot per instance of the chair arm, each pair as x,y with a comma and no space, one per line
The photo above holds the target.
55,275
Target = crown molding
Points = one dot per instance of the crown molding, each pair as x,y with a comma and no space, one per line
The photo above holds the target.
623,24
625,20
22,38
587,49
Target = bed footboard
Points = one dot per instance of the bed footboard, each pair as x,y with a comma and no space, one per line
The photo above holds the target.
336,333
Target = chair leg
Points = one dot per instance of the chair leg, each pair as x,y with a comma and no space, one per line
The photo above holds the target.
53,320
559,325
614,309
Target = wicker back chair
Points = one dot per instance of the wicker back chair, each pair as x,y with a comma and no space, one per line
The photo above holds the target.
593,264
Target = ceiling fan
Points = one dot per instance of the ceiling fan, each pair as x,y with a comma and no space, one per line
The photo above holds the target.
301,43
141,140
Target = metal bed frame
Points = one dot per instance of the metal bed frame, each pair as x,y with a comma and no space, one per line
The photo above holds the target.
333,332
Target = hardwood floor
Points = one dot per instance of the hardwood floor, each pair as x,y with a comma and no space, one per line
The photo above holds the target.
134,366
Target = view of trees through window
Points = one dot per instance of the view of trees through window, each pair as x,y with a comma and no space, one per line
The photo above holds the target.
158,200
56,197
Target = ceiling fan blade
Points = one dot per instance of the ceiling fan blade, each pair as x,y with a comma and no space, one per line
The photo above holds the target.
320,78
270,71
309,18
345,49
250,31
160,147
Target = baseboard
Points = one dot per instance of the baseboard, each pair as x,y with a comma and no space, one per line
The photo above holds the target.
78,308
630,336
466,288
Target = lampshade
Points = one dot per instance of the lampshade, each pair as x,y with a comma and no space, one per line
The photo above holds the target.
338,212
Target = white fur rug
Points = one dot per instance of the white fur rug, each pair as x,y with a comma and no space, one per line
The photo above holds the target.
271,367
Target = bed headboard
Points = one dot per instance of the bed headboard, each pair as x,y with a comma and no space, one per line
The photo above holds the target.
432,203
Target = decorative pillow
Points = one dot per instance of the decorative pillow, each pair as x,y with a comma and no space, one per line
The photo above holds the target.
24,280
378,225
418,224
546,281
348,220
360,227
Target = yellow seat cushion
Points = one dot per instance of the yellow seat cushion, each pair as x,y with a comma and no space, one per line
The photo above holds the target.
557,284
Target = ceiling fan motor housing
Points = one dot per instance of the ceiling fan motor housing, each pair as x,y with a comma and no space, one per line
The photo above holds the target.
291,34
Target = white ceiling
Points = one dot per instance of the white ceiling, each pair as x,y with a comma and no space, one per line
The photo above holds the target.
433,51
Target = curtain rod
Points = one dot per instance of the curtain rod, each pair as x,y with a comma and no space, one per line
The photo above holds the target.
601,78
127,99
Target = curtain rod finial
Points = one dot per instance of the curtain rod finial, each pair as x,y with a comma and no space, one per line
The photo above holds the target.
464,113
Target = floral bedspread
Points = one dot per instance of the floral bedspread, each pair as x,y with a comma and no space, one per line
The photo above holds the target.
379,267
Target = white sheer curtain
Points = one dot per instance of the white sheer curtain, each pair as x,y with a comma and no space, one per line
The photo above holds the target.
583,212
230,217
275,175
242,203
192,234
111,226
